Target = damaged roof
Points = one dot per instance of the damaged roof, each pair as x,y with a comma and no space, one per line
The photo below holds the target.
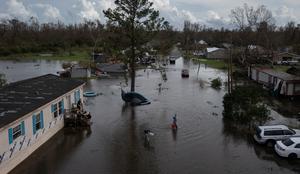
22,97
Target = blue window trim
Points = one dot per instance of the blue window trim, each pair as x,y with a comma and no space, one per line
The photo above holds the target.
10,132
33,124
22,128
10,135
42,119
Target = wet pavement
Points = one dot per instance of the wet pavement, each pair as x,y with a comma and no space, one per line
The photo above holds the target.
115,144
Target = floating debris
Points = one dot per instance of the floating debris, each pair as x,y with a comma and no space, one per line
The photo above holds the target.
209,102
215,114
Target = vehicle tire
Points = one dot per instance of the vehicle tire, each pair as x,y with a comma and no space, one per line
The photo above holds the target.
270,143
292,156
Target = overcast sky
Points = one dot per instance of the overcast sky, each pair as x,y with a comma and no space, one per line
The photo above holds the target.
213,13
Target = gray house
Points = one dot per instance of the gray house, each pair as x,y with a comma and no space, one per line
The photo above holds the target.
111,69
78,71
216,53
280,82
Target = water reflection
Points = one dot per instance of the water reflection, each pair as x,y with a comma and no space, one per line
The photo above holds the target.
48,157
202,144
237,135
174,134
269,154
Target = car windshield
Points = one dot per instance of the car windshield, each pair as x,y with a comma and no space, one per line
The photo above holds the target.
288,142
294,132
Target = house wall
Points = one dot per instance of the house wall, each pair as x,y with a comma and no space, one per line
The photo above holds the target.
290,89
297,88
80,73
263,78
218,54
254,74
21,147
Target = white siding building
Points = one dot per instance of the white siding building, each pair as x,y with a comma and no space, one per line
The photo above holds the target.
31,112
216,53
280,82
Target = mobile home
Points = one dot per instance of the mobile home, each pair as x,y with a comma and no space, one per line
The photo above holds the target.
280,82
31,112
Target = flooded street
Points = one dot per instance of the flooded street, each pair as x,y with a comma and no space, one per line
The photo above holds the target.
115,143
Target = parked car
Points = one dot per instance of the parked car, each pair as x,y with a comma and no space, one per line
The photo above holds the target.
270,134
287,62
185,73
289,147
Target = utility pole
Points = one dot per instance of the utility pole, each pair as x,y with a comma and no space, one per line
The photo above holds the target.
231,75
229,69
228,73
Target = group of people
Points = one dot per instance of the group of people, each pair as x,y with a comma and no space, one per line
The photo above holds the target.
148,133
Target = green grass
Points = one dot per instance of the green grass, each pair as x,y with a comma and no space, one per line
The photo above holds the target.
218,64
74,55
281,68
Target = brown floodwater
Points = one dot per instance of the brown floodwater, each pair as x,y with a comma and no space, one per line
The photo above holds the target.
114,144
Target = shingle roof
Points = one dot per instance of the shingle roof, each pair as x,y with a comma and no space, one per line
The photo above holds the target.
111,68
282,75
22,97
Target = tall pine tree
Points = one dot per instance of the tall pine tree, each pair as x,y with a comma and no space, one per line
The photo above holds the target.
138,20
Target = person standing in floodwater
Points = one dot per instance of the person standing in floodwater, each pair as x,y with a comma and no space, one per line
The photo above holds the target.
174,124
147,134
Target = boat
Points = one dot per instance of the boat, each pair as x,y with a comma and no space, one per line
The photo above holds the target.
89,94
185,73
134,98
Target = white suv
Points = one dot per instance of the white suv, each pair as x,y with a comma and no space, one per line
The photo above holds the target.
270,134
289,147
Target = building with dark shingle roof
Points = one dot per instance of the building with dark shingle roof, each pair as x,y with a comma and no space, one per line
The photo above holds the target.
280,82
31,112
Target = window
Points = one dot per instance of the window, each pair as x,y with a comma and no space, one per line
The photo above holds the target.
288,132
273,132
297,146
60,107
288,142
57,108
37,122
15,132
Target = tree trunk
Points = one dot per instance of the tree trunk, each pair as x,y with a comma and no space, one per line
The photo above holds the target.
132,59
132,74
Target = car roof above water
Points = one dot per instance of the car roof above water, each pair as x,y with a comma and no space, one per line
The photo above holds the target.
273,127
295,139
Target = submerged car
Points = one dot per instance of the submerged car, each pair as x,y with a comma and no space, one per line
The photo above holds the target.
289,147
185,73
270,134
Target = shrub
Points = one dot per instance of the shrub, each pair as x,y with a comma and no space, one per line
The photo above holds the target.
216,83
245,106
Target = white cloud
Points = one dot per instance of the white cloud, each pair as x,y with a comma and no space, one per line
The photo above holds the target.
49,12
17,9
88,10
213,15
172,13
105,4
4,16
284,14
